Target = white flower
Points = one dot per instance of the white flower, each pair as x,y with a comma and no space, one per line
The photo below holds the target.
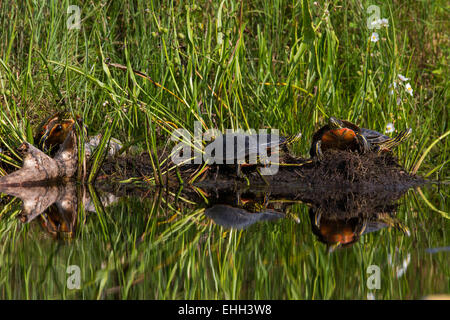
390,128
403,78
409,89
391,92
105,103
376,23
374,37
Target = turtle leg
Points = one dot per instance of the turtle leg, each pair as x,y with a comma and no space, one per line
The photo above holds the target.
317,217
364,144
318,150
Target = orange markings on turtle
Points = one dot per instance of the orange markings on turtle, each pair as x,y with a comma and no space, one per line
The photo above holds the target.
338,138
59,132
334,234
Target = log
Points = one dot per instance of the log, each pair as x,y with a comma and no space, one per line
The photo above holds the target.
39,168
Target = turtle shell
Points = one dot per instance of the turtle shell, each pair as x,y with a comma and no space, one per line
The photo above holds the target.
243,146
373,136
343,138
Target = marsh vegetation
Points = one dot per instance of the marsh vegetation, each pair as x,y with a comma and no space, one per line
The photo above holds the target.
136,71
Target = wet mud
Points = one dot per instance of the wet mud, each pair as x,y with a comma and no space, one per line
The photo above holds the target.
341,170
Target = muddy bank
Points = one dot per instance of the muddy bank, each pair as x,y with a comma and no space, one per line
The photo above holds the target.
338,170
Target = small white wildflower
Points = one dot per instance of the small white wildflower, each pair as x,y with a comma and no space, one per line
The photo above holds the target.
409,89
403,78
376,23
374,37
105,103
390,128
391,92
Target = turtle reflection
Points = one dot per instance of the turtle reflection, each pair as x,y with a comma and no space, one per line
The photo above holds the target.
55,206
239,211
337,219
336,233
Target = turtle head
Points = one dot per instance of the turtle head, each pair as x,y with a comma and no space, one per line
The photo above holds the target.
55,130
335,123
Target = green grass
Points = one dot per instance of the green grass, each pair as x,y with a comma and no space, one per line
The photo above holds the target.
229,64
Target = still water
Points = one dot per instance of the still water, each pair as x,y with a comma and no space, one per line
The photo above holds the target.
110,242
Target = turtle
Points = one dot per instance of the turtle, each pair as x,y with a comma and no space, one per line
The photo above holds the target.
344,135
344,232
242,149
54,130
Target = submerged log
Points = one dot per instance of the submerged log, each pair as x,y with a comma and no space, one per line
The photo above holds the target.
39,167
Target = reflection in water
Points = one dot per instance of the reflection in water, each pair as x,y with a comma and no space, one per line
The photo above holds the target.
54,206
338,219
345,230
238,218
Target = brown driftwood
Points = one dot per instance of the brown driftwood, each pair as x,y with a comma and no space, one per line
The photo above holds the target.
39,167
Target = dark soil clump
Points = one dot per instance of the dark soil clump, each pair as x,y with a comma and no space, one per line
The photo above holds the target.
340,170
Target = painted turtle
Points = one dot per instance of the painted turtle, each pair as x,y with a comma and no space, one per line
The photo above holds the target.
344,135
242,149
54,130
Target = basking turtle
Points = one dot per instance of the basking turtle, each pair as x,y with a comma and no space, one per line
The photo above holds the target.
242,149
54,130
344,135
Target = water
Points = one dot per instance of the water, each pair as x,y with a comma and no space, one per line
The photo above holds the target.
194,243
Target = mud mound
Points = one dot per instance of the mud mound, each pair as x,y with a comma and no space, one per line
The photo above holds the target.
354,168
339,170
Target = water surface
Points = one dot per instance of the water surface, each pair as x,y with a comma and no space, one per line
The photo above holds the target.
194,243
